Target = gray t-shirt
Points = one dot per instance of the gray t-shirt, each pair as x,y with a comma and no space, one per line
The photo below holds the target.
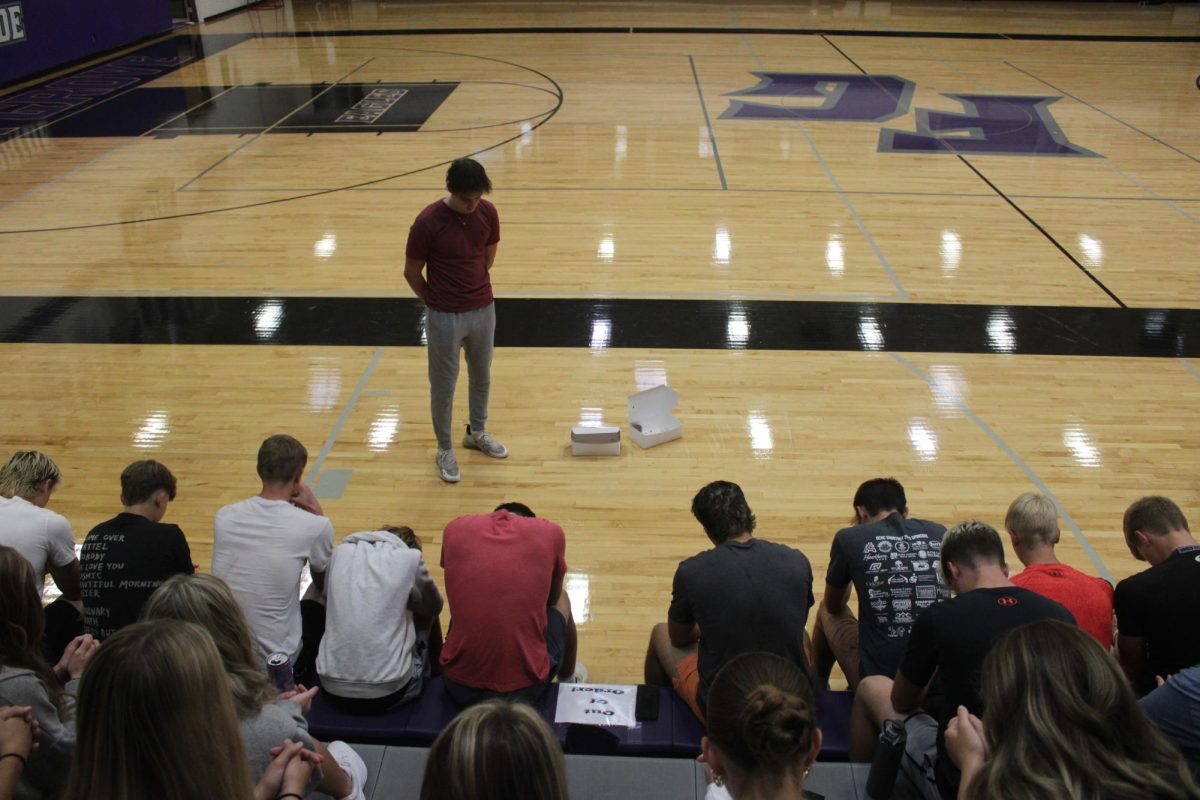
747,597
268,728
48,765
893,564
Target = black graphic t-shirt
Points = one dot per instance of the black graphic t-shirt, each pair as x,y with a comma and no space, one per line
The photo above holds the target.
893,564
122,562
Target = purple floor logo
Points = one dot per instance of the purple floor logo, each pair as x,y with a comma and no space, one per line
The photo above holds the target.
991,124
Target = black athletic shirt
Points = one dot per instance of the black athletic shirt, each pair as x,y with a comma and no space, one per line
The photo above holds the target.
1162,606
953,638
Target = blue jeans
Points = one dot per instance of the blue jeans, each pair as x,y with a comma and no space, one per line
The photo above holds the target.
1174,708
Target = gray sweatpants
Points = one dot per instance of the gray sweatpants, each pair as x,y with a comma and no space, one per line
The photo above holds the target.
445,334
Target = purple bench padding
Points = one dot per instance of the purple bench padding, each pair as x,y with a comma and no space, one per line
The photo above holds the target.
676,732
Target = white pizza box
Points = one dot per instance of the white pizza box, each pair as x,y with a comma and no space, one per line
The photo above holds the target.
595,440
650,420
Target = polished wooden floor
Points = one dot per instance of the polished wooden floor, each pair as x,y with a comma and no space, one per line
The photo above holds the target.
618,177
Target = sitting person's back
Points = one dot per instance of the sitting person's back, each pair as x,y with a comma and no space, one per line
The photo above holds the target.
260,546
1032,523
124,559
511,628
743,595
381,604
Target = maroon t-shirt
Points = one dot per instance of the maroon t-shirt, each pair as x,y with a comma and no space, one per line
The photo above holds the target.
453,246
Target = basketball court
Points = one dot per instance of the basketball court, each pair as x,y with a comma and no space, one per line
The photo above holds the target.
955,243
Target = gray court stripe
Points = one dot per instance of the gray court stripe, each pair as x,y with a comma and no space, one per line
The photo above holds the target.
712,137
1189,366
1016,459
315,470
858,220
58,291
258,135
1154,195
1105,113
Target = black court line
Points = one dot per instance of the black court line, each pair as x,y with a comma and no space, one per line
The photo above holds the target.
735,31
1043,231
1105,113
843,54
847,326
546,117
712,137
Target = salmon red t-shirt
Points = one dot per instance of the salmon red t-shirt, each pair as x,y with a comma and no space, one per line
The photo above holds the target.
498,571
1089,599
453,247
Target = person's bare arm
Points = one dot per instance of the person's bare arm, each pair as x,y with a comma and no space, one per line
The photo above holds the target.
66,578
414,273
835,598
682,634
906,695
489,257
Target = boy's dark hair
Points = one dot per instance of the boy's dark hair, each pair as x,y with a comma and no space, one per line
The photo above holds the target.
880,494
141,479
404,534
466,176
971,544
279,458
520,509
1154,515
721,508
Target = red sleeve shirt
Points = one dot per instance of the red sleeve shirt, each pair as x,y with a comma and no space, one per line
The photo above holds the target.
1090,600
453,247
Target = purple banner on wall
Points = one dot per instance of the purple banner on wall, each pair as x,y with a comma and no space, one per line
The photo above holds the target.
38,35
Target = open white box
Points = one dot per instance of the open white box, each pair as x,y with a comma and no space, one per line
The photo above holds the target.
650,420
595,440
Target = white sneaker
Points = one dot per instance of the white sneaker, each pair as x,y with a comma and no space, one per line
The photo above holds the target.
448,466
352,763
485,443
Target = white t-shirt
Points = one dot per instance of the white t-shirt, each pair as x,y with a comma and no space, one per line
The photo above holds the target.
39,534
259,549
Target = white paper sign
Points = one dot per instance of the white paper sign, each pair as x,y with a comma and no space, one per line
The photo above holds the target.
596,704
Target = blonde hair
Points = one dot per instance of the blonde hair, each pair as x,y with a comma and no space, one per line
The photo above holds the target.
1032,518
495,750
208,602
155,720
24,470
1062,722
761,715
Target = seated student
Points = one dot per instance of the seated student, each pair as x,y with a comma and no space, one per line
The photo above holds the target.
744,595
266,718
511,628
17,740
1174,708
951,640
260,546
381,606
156,721
44,537
27,681
1032,523
884,545
496,749
762,728
1061,722
1158,629
125,559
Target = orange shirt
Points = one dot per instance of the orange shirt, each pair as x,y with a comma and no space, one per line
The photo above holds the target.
1090,600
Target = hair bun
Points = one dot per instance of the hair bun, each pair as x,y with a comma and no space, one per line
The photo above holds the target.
778,726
